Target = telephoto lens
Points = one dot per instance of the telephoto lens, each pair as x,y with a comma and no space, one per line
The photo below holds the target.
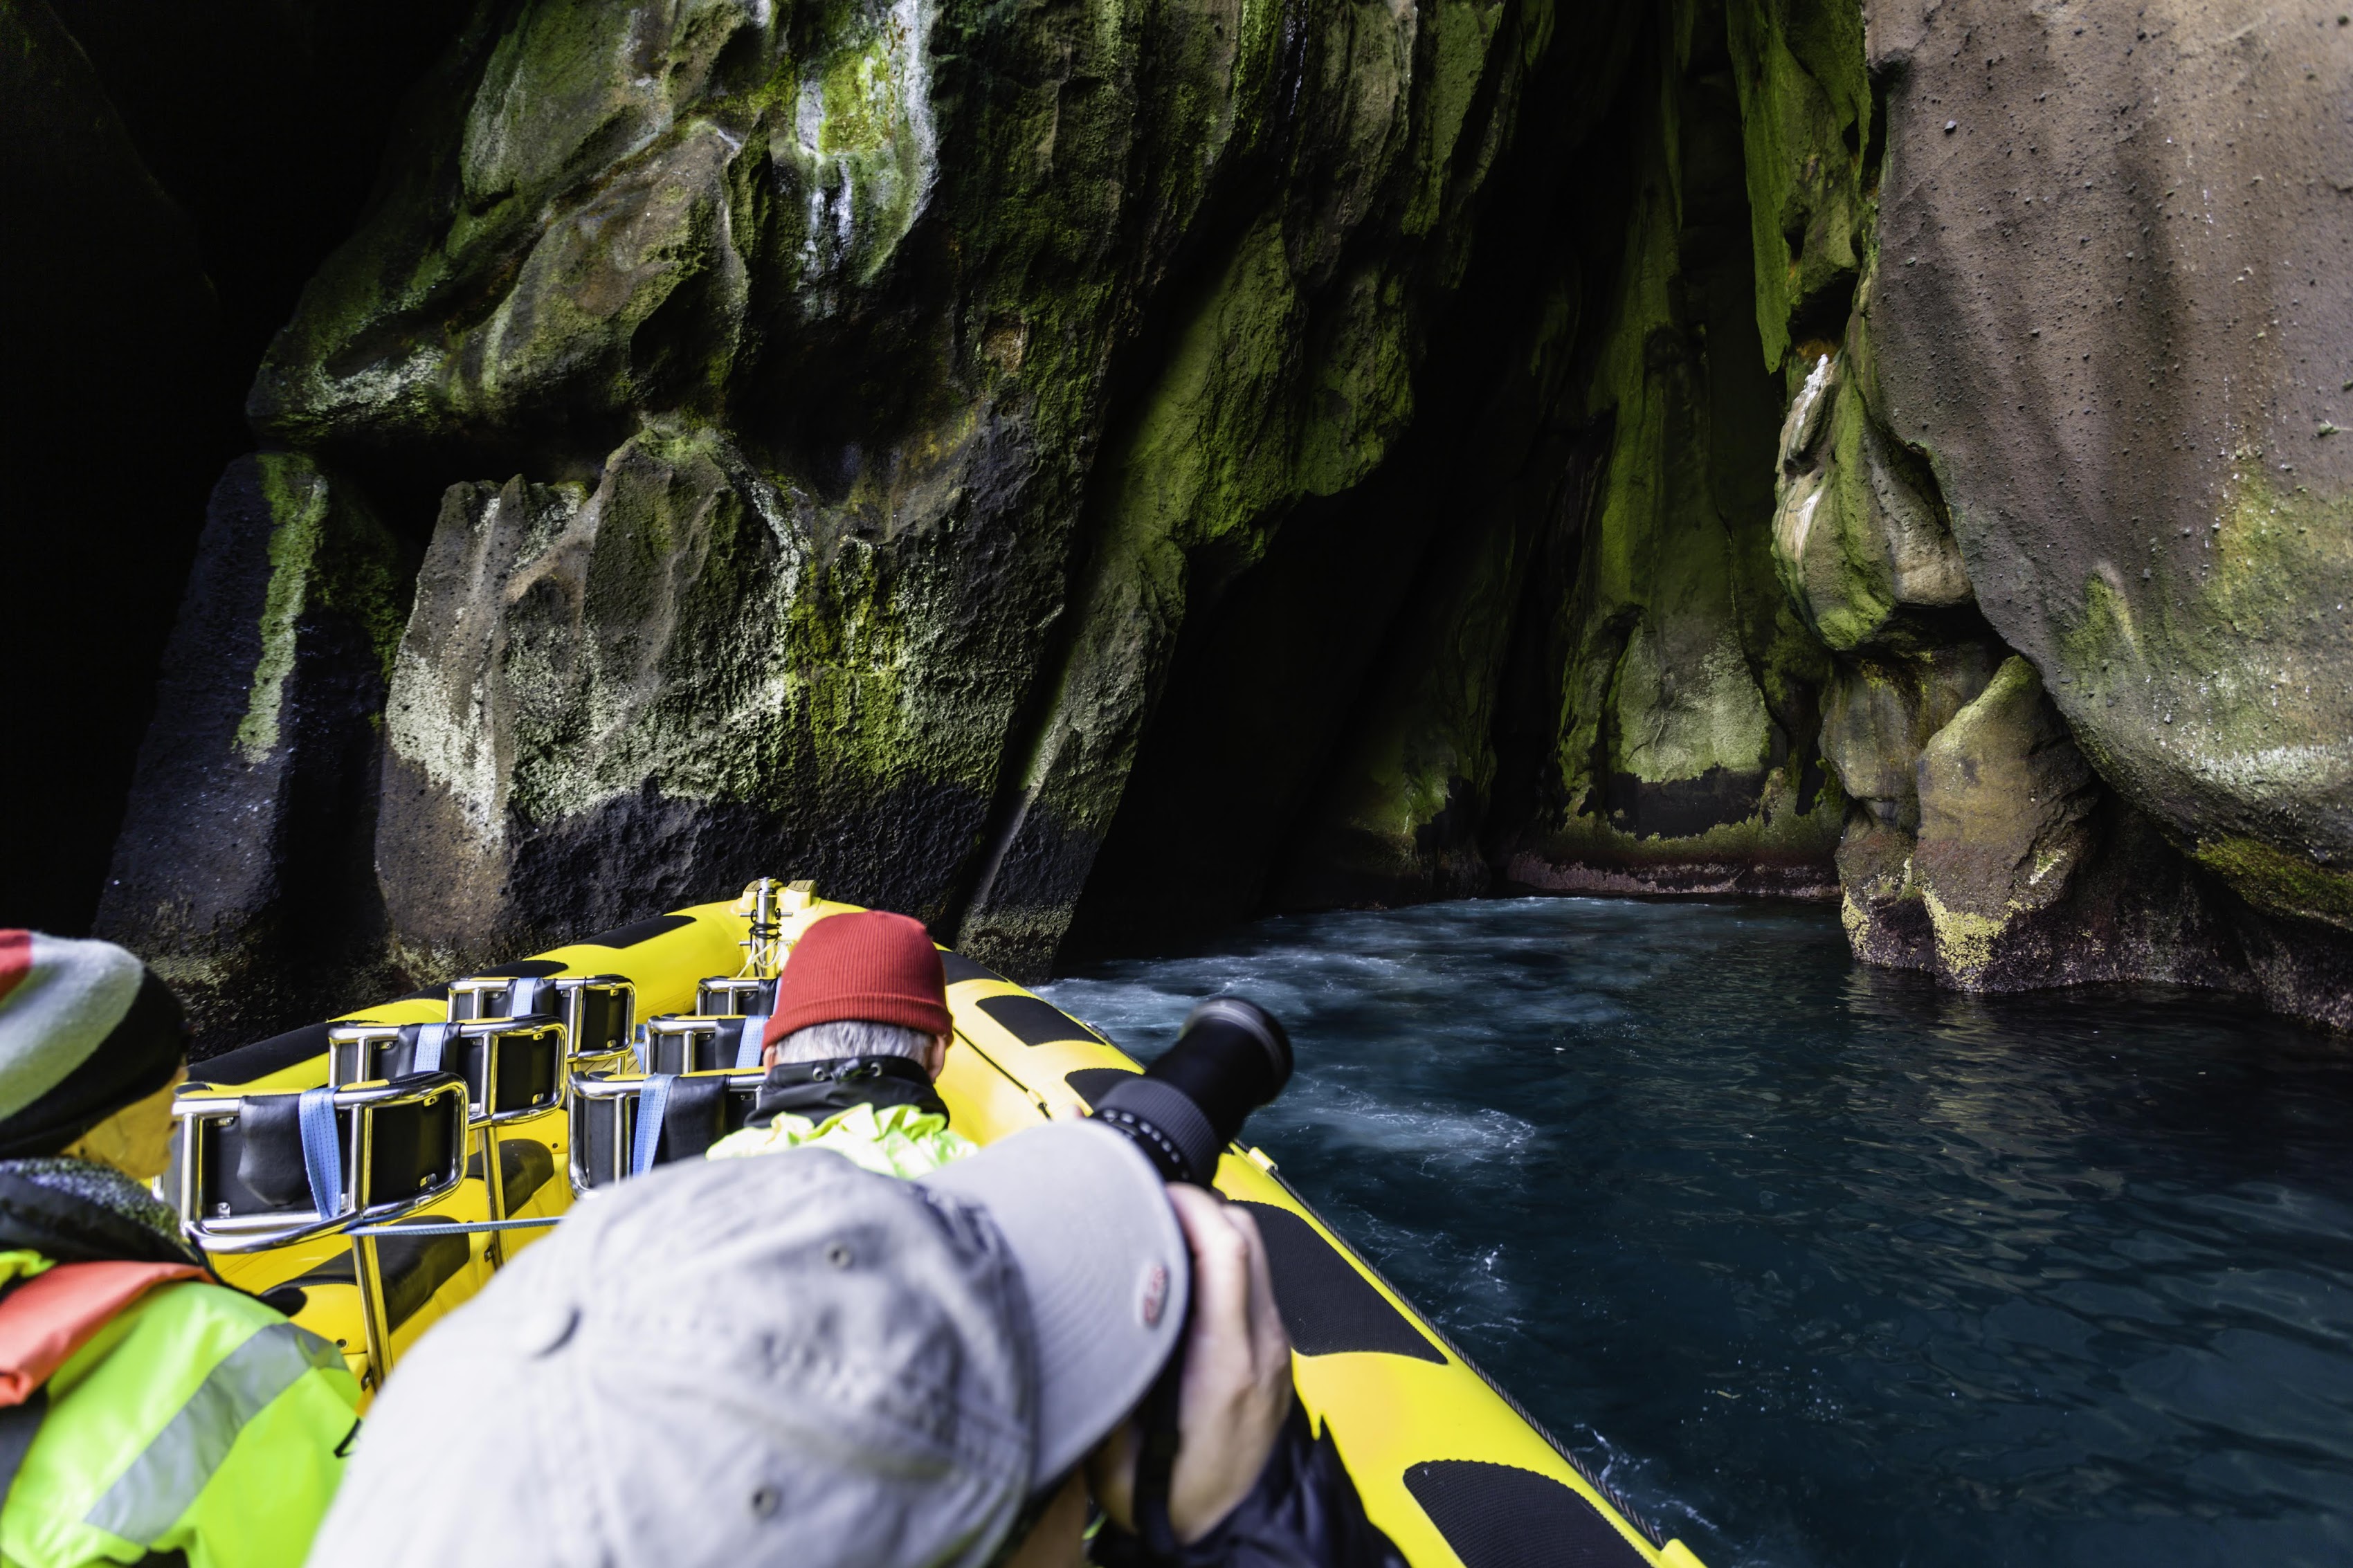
1229,1059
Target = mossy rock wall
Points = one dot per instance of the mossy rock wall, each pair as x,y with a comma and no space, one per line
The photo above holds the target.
2113,309
245,871
174,175
1685,752
1082,474
2082,410
836,416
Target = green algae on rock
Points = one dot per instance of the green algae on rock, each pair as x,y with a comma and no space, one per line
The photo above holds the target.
606,689
2115,361
1859,536
2003,799
243,873
1685,752
1081,475
895,287
2217,694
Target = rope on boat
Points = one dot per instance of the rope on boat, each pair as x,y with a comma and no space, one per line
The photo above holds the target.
450,1228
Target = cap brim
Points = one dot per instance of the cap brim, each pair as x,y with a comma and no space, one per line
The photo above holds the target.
1103,1263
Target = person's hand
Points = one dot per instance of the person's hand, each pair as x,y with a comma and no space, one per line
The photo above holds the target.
1235,1389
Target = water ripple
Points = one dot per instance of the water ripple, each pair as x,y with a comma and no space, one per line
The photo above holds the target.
1821,1266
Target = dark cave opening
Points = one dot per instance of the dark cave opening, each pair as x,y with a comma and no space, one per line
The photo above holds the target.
176,174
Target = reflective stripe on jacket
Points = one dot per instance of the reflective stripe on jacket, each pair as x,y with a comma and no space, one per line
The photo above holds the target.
897,1141
197,1421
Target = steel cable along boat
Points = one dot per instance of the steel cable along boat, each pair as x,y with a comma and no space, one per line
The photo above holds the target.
346,1172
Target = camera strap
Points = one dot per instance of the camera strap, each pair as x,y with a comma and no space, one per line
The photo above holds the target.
1155,1463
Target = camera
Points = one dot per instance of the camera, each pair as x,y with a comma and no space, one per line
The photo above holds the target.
1230,1057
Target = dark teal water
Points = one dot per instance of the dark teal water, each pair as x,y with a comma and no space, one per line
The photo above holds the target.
1821,1266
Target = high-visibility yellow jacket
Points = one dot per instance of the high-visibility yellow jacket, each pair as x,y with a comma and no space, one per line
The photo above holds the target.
895,1141
197,1421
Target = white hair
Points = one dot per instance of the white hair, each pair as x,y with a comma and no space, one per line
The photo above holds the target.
853,1037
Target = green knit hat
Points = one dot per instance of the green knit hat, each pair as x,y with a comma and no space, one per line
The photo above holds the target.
85,1030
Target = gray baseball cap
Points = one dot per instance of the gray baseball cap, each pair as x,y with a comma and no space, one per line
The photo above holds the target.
782,1359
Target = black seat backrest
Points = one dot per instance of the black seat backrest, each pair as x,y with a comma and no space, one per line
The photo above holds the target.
696,1116
694,1044
398,1059
530,1071
699,1111
721,996
516,992
261,1167
255,1166
238,1160
600,1137
598,1010
415,1147
530,1065
603,1020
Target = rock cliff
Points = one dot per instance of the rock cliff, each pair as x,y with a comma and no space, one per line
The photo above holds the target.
173,174
1079,474
2088,387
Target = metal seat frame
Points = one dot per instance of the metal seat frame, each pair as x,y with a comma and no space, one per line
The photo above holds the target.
626,1093
352,1048
203,1112
570,993
728,997
688,1028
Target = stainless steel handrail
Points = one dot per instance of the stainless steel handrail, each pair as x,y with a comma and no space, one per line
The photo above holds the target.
688,1028
626,1087
358,1108
572,993
357,1049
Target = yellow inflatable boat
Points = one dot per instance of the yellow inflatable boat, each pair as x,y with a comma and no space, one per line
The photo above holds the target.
325,1171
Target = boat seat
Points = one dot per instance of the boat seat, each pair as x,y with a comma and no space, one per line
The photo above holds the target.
253,1163
697,1110
269,1166
525,1165
511,1066
695,1117
698,1042
506,995
596,1010
415,1268
733,998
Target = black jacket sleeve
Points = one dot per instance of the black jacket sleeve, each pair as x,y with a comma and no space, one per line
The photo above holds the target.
1302,1513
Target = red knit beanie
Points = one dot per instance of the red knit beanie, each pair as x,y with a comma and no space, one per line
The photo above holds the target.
877,967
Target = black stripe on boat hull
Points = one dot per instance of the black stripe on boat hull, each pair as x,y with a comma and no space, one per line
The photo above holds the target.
1034,1022
1500,1516
1090,1084
262,1057
631,934
959,968
1328,1307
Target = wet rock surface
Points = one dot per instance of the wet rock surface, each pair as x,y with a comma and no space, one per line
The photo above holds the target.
1683,752
2111,309
245,871
174,176
2089,346
1083,477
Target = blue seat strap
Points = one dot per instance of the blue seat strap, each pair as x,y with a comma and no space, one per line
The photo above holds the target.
322,1156
522,998
430,1038
653,1105
748,1044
